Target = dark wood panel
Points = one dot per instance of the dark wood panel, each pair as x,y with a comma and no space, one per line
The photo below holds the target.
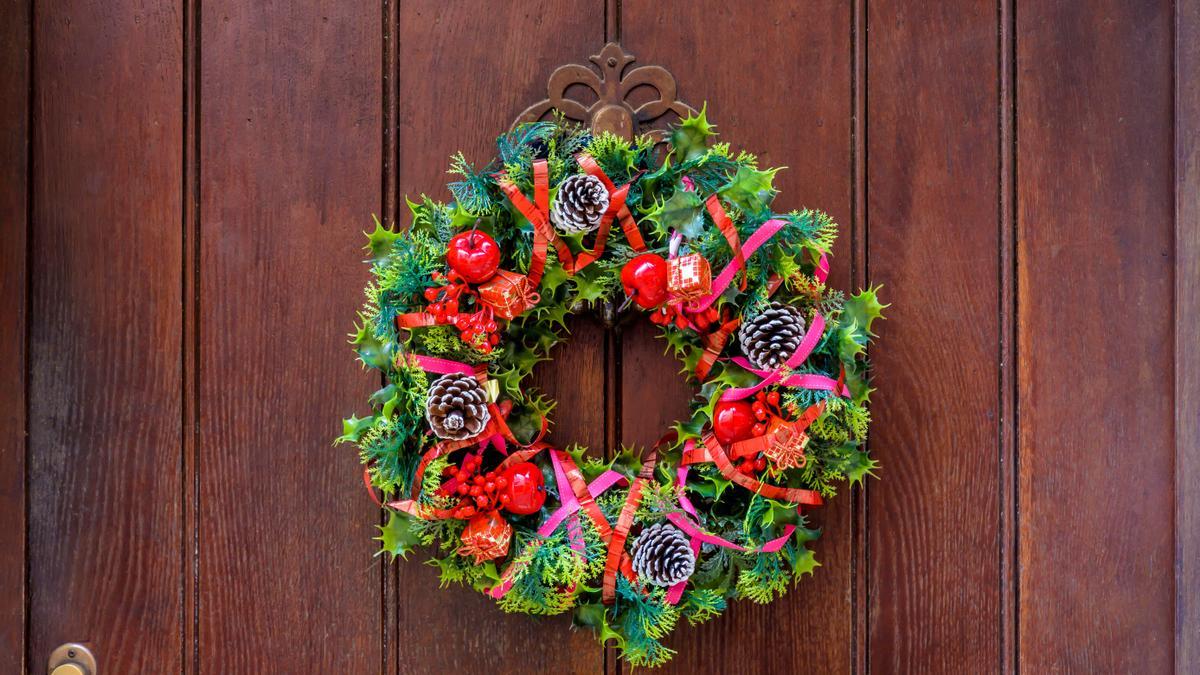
1187,327
464,74
1095,215
934,242
786,96
105,385
290,129
14,190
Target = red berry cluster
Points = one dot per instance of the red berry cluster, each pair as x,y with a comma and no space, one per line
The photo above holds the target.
479,328
479,492
683,317
766,410
767,413
444,299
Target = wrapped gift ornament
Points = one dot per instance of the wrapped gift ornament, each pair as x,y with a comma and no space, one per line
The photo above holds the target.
689,277
486,537
508,294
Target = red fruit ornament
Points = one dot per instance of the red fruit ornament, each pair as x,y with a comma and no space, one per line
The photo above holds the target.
525,489
474,255
645,280
733,421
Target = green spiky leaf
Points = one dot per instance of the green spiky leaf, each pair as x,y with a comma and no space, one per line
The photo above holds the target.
398,537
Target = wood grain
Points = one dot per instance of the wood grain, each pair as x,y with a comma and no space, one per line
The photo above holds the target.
291,113
1187,327
104,374
788,99
14,224
464,74
932,199
1095,213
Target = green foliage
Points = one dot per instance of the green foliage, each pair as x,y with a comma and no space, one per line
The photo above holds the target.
643,619
690,139
398,536
556,574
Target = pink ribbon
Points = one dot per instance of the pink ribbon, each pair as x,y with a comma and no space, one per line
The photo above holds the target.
443,366
807,345
756,240
801,381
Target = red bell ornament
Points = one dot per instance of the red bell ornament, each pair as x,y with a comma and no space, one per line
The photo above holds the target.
474,255
733,421
525,489
508,294
689,277
486,537
645,280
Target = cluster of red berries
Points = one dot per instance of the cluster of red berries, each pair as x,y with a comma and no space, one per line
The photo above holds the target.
444,299
479,328
480,492
683,317
767,413
766,410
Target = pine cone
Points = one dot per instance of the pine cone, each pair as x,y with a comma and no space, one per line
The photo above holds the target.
579,205
457,407
772,337
662,555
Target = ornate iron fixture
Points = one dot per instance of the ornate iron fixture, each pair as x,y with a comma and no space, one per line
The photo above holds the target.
612,110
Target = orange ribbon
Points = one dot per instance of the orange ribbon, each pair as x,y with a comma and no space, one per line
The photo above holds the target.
714,344
538,215
711,451
616,545
727,228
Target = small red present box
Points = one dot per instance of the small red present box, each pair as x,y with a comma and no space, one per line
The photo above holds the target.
486,537
688,277
508,294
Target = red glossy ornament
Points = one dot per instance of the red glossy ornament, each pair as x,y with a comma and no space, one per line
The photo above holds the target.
526,489
645,280
474,255
733,421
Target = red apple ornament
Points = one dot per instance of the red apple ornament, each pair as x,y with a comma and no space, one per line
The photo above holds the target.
474,255
524,487
733,421
645,280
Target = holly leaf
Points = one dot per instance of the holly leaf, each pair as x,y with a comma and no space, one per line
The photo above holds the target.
751,189
380,241
590,285
857,464
804,562
863,308
553,277
851,339
690,138
858,384
683,212
398,536
594,615
711,486
353,428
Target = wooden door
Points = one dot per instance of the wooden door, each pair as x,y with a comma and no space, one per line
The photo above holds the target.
182,188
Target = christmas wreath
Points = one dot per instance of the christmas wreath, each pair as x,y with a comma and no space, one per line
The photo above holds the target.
467,300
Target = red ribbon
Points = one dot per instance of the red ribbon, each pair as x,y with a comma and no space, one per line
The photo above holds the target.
538,215
727,228
712,451
616,545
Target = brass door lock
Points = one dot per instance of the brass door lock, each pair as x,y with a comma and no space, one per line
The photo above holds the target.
71,659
